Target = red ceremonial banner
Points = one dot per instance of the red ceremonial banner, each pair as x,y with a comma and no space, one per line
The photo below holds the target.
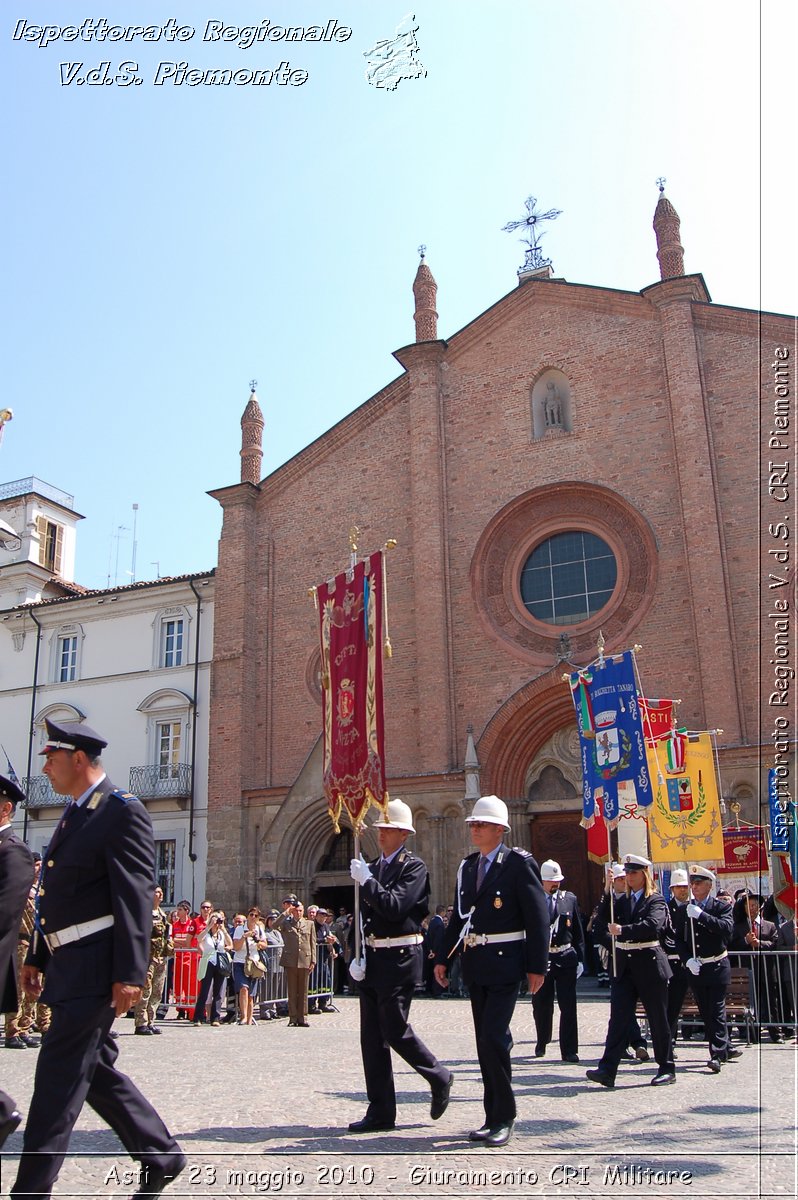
350,625
744,852
598,838
657,718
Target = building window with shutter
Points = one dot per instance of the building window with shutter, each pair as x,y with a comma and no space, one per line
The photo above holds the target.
51,542
168,739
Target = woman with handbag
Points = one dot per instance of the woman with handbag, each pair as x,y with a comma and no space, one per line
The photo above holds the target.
214,967
248,941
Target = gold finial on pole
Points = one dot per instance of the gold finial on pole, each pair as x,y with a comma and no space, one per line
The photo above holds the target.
600,644
354,534
736,806
391,544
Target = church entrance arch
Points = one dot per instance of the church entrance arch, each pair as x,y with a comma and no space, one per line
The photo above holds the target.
530,757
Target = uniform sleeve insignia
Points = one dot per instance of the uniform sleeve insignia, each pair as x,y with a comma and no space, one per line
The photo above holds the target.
125,797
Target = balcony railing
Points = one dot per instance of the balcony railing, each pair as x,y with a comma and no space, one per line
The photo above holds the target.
41,794
171,782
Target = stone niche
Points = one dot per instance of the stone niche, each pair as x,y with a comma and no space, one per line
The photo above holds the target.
551,404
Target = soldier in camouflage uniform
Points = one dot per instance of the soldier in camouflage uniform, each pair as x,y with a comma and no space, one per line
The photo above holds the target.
20,1024
161,948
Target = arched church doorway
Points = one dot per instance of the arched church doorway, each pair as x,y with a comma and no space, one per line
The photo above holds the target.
559,835
332,887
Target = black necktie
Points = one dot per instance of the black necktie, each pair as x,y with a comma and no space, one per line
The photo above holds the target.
482,870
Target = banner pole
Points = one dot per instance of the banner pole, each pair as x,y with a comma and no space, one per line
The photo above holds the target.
356,914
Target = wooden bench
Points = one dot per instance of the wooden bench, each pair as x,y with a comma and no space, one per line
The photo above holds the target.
739,1006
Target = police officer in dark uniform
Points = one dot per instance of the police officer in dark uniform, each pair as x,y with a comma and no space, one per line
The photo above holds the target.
641,971
500,926
394,895
566,964
703,930
680,980
16,876
91,945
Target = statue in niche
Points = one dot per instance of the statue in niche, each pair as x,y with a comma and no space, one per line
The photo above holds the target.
552,406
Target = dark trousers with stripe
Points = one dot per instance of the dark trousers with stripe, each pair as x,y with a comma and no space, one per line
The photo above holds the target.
76,1064
652,990
385,1026
492,1008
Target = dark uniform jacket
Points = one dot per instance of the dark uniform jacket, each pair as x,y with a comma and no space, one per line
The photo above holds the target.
713,930
16,876
648,923
668,938
392,906
102,862
566,931
766,931
511,899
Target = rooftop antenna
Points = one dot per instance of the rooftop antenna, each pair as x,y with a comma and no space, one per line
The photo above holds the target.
135,545
120,529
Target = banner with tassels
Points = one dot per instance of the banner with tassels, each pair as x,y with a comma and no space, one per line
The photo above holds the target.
611,736
351,632
684,822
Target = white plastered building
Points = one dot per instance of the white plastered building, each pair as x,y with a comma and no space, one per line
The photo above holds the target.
133,661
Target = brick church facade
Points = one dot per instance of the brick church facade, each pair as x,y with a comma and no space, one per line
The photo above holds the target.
616,431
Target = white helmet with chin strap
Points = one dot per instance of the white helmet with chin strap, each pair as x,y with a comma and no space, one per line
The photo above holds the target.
491,810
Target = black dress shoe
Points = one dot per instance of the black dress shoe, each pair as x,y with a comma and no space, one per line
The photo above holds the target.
641,1054
15,1043
540,1050
663,1077
714,1066
371,1125
572,1058
498,1135
733,1054
440,1100
601,1077
8,1126
155,1178
30,1042
479,1135
154,1029
145,1031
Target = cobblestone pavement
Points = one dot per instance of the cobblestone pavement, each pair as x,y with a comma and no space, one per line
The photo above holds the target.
264,1110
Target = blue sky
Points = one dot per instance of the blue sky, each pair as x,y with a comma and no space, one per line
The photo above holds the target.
164,245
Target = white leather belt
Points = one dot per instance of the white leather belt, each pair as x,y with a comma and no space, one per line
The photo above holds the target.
487,939
560,949
74,933
714,958
407,939
636,945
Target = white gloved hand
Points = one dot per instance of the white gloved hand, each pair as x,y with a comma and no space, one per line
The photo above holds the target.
694,965
580,970
357,969
359,870
694,911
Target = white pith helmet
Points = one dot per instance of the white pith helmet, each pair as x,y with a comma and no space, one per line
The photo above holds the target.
679,878
491,810
550,871
397,816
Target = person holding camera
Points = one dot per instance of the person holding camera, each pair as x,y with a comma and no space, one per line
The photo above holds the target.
215,944
248,939
298,958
